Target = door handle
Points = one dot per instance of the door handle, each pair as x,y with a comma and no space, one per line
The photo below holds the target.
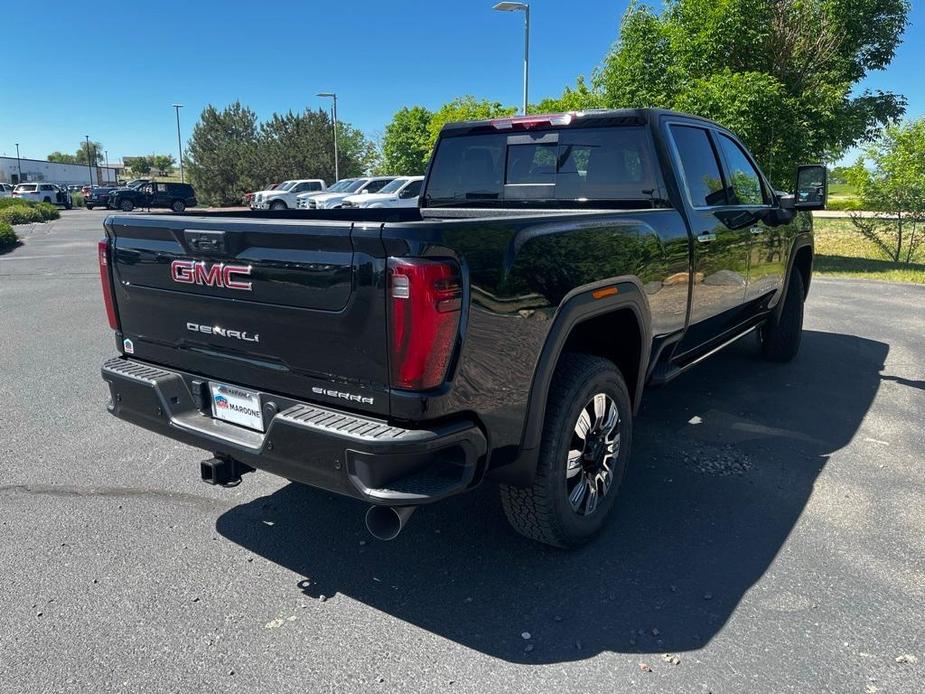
706,237
757,231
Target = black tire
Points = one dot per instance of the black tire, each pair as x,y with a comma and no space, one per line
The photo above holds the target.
780,336
178,206
543,511
126,205
47,199
278,205
89,207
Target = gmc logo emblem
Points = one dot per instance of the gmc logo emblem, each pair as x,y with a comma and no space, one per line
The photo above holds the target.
210,275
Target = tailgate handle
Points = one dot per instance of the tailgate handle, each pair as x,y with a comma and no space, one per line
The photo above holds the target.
205,242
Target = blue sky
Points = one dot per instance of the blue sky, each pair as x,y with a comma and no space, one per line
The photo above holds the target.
120,73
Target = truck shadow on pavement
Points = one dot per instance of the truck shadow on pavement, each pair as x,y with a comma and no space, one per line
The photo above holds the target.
706,506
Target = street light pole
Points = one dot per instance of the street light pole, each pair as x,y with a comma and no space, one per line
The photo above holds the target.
177,108
89,170
336,166
18,163
106,152
525,8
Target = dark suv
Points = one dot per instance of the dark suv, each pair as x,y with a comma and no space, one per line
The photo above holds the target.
175,196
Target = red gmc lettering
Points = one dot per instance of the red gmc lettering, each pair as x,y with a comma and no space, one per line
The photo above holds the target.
214,275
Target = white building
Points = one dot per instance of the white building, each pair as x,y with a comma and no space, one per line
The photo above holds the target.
53,172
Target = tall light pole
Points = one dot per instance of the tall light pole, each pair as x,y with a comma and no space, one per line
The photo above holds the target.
336,167
525,8
89,170
106,153
177,108
18,162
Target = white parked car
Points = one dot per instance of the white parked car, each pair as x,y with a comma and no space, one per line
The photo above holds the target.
43,192
6,190
284,195
352,186
402,192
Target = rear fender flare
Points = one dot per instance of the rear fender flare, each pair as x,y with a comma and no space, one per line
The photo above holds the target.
578,306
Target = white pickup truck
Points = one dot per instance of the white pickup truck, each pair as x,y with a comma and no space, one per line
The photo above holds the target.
283,197
402,192
344,188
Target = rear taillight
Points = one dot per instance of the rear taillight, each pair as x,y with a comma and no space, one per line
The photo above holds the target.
425,298
106,284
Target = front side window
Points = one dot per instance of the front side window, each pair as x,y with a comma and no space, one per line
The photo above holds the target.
413,189
744,181
699,166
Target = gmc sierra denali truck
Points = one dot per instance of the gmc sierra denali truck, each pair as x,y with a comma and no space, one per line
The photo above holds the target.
503,331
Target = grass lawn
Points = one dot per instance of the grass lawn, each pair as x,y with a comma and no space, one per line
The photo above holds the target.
842,189
841,251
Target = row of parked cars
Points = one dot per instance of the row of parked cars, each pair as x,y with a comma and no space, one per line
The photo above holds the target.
144,193
362,191
141,192
38,192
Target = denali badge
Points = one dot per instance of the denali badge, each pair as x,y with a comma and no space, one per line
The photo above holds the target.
223,332
210,274
342,396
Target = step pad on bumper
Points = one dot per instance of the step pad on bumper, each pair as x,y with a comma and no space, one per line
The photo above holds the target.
319,446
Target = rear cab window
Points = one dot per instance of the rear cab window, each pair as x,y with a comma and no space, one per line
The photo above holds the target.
610,166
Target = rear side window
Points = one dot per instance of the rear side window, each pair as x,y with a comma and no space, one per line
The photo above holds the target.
568,165
745,186
699,166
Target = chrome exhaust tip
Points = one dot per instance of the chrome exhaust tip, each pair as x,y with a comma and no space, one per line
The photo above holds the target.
386,522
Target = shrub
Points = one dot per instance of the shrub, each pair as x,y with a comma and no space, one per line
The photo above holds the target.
20,214
18,202
77,199
844,204
7,235
48,211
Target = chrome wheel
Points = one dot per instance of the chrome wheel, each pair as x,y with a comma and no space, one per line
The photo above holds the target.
595,445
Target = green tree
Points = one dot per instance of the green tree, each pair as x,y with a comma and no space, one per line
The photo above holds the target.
92,152
407,143
62,158
140,166
581,98
222,155
781,73
462,109
891,182
163,163
301,145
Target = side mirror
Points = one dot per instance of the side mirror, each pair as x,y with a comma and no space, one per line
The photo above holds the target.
812,188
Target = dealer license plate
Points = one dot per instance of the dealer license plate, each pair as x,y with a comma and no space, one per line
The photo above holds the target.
236,405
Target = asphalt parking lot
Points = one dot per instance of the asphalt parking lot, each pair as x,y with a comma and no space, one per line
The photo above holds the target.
770,535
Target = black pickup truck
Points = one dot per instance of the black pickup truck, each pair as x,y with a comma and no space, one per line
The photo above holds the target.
503,331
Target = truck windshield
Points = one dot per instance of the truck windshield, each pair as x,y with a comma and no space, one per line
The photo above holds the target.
341,185
356,185
393,186
559,168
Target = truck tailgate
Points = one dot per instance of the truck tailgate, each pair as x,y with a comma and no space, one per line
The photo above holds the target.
295,307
